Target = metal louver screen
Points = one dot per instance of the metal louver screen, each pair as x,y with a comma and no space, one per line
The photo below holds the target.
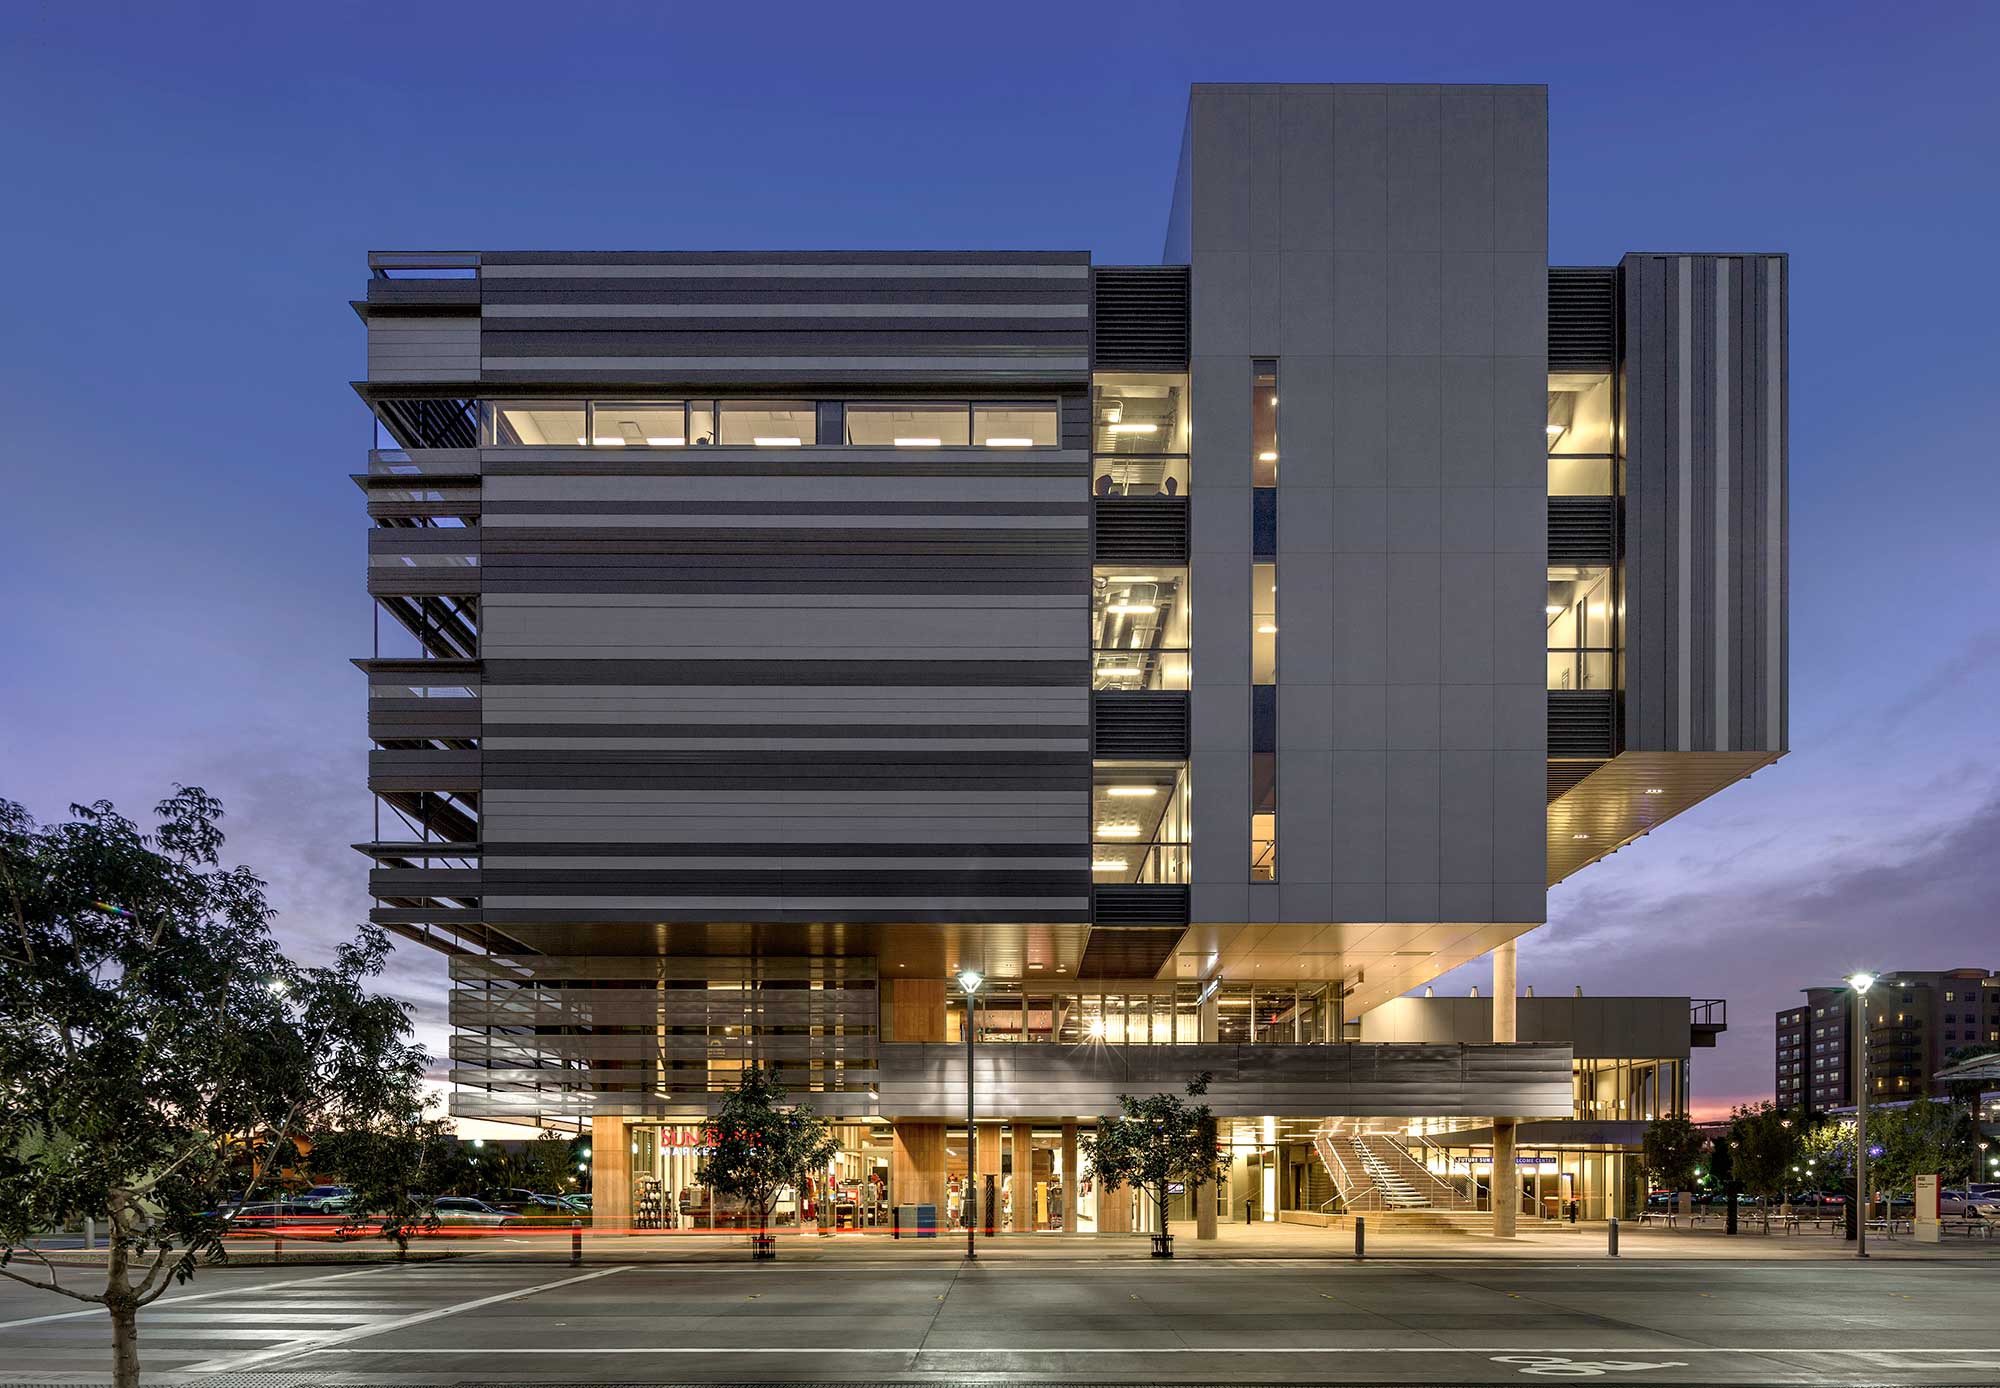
1583,318
1134,724
1565,775
1135,903
1140,318
1142,530
1583,530
1582,722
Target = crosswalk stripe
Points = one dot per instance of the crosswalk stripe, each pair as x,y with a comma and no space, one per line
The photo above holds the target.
197,1296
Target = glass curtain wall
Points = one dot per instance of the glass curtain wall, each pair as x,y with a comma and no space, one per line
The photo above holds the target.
1264,621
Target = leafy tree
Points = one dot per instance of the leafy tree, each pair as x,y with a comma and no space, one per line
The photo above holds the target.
759,1145
158,1050
1671,1152
1155,1142
1722,1170
1765,1144
392,1166
549,1166
1921,1136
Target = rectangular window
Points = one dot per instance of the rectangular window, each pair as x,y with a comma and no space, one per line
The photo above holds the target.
1263,624
638,424
1264,423
1139,823
1579,617
767,423
534,423
1580,435
1016,424
1139,627
911,425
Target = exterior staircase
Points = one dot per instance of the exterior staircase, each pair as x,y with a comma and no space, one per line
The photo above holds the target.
1375,1173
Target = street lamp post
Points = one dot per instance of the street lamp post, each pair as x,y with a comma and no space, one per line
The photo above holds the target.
1860,983
969,980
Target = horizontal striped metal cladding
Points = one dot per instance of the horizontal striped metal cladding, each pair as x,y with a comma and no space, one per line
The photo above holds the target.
1141,318
1583,318
852,693
1374,1080
1706,535
769,317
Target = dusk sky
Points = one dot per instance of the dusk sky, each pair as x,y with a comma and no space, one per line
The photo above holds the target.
196,188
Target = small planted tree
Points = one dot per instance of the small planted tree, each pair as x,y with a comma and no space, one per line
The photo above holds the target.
1155,1143
1671,1152
758,1145
159,1054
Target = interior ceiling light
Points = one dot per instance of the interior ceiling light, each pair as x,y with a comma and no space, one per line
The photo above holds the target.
1553,610
667,443
1119,674
919,443
1267,630
1131,609
1010,443
772,441
1118,831
1135,428
1579,836
1267,457
1133,578
1107,865
1132,790
1556,431
1656,790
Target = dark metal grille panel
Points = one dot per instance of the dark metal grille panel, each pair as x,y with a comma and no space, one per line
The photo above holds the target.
1150,725
1135,903
1583,530
1565,774
1582,722
431,423
1583,317
1140,317
1142,530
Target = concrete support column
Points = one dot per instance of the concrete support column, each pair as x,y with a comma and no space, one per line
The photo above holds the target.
916,1164
1506,1179
1070,1184
991,1136
1204,1212
1114,1209
610,1174
1021,1185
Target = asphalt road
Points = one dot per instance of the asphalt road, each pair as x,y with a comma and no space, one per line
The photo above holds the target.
1215,1322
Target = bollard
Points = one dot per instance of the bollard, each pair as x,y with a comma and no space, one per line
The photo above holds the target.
1611,1235
575,1242
896,1222
90,1231
277,1248
1360,1237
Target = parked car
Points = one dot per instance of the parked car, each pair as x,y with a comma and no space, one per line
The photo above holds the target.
1719,1200
465,1211
1967,1202
323,1199
579,1202
525,1202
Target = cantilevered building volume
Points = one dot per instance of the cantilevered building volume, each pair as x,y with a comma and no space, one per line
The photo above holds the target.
765,636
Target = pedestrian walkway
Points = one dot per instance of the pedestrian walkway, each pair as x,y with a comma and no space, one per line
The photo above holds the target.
248,1325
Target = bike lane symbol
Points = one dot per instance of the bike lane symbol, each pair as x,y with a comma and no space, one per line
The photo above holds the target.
1558,1366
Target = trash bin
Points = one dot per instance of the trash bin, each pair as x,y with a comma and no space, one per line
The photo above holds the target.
926,1221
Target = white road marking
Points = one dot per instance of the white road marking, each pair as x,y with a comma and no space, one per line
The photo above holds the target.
198,1296
207,1317
1561,1366
240,1362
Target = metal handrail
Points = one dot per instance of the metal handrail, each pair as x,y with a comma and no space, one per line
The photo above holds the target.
1451,1193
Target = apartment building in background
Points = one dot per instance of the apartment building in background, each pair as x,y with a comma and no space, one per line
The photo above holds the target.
765,637
1916,1020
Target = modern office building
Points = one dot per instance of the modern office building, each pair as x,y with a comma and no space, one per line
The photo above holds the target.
763,637
1917,1020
